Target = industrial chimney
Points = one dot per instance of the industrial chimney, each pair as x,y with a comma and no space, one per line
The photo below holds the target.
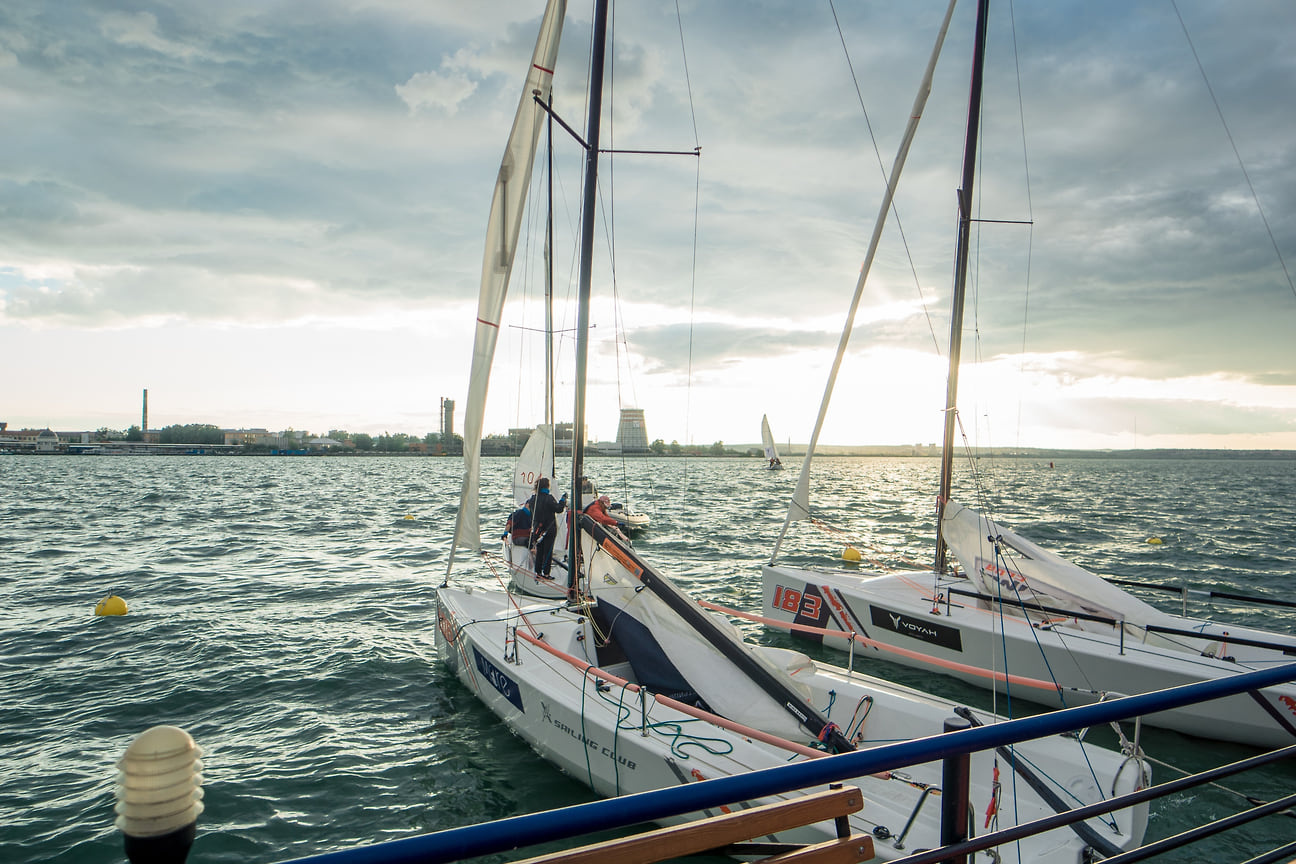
144,419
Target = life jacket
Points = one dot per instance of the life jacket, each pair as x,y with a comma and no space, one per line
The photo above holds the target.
519,526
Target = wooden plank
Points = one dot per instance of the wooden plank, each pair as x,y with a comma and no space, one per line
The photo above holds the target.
845,850
705,834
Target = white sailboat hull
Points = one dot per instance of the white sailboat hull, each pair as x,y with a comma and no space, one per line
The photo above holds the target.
601,736
963,639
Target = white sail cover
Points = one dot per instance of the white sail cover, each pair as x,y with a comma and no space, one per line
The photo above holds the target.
767,439
1035,574
497,262
536,461
727,690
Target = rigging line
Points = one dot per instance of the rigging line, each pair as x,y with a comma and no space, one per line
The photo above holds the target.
1030,208
1084,751
609,207
885,180
534,204
998,553
688,82
697,190
1236,154
975,221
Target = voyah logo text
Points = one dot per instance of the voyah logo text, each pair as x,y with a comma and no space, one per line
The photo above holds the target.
917,628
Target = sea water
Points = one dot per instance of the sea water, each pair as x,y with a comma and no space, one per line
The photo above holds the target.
282,612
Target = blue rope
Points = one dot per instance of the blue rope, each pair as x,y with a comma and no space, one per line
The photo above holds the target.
1084,751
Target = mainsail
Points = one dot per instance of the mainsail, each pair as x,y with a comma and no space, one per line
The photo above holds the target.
536,461
497,262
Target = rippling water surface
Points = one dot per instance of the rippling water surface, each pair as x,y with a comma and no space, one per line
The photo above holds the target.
281,612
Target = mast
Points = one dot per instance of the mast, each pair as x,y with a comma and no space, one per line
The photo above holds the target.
548,257
960,279
549,332
586,268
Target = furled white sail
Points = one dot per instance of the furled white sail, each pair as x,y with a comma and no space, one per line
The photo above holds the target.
497,262
1033,573
767,439
800,505
536,461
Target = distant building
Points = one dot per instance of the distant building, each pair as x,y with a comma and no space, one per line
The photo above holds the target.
447,420
29,440
518,436
246,436
563,436
47,442
330,443
632,432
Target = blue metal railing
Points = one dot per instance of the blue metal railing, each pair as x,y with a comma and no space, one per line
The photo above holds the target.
519,831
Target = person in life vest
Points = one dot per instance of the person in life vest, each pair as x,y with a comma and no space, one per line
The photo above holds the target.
544,526
598,511
518,525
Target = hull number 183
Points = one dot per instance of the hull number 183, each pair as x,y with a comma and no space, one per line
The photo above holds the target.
792,600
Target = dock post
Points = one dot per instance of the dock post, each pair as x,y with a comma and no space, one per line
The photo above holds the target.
955,784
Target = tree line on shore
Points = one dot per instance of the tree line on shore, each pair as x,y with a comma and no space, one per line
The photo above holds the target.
205,433
399,442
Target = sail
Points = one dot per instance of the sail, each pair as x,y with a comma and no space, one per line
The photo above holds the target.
1034,574
669,640
536,461
799,508
767,439
497,263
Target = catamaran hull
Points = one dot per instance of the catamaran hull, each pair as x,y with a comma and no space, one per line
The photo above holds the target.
967,643
600,735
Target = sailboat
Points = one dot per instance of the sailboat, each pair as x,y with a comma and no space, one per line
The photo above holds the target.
767,441
628,685
1018,616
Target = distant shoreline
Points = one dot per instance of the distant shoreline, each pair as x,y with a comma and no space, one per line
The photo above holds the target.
823,452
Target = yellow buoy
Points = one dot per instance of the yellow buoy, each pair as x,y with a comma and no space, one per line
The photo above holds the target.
111,605
850,553
408,516
1155,541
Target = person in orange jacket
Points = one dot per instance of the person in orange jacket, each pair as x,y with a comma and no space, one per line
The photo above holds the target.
598,511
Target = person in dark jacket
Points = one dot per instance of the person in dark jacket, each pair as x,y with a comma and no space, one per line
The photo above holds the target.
518,525
545,526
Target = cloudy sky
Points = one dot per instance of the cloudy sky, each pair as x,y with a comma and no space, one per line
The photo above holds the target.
271,214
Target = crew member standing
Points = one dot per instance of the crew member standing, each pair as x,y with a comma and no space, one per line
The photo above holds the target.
545,526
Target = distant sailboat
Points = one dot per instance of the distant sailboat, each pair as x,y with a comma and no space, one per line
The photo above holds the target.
771,452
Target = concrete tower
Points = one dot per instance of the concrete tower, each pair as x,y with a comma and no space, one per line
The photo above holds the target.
632,432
